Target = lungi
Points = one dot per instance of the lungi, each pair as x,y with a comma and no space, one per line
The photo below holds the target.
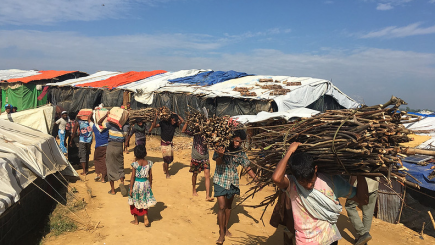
100,160
168,154
115,161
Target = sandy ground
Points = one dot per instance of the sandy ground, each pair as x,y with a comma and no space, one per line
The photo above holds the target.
180,218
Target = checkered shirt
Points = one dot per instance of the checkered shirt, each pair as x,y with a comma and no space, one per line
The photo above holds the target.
226,173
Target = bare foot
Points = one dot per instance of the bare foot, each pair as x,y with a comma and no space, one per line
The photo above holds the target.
209,199
134,222
168,176
146,222
221,240
84,173
195,194
228,234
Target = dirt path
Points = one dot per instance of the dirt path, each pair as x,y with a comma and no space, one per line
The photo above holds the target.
182,219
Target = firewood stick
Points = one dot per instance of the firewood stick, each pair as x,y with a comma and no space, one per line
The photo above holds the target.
431,218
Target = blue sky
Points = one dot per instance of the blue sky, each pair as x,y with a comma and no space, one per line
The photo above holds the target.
371,49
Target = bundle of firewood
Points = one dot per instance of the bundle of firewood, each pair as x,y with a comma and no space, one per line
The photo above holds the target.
280,92
272,86
362,141
164,113
217,130
142,115
292,83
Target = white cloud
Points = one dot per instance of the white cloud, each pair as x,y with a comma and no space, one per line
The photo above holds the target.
249,34
405,31
384,6
374,74
51,11
389,4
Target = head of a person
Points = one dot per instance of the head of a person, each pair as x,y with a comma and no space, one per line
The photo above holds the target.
128,105
8,108
140,123
140,152
14,109
304,169
64,115
173,119
238,137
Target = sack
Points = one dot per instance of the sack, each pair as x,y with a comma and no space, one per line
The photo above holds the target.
98,114
84,114
118,116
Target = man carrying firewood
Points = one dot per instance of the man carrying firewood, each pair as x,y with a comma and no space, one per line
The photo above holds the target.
314,197
167,134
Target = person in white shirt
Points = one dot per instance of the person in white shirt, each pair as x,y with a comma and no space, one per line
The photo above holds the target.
62,132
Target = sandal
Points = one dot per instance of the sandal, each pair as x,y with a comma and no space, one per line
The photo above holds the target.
110,192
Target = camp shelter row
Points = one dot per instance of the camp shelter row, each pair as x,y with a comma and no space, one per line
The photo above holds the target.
26,89
221,92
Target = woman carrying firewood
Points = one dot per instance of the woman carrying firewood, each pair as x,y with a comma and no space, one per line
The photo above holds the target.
226,179
200,161
314,197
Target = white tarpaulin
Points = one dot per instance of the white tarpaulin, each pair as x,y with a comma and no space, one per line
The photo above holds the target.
425,124
101,75
310,90
15,73
28,152
287,115
40,118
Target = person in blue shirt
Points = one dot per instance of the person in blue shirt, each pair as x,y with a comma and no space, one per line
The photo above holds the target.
8,109
85,141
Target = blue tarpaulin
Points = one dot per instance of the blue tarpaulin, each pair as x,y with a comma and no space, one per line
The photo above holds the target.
210,77
421,173
422,115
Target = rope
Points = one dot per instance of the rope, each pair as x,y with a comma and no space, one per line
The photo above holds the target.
55,166
12,166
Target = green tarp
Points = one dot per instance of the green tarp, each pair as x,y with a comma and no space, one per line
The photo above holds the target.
24,97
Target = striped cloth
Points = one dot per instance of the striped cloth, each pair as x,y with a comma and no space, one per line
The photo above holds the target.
226,173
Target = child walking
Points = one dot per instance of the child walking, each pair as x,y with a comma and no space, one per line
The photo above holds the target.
141,196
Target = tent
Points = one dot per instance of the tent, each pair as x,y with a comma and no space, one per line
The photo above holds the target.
41,118
26,154
25,89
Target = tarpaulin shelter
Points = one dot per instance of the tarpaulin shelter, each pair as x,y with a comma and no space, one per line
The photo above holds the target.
28,158
27,92
222,98
73,98
41,118
215,90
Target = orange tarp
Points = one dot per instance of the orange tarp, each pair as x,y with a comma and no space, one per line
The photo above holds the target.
121,79
43,75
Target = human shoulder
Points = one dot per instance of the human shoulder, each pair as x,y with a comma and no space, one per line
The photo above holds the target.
135,165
